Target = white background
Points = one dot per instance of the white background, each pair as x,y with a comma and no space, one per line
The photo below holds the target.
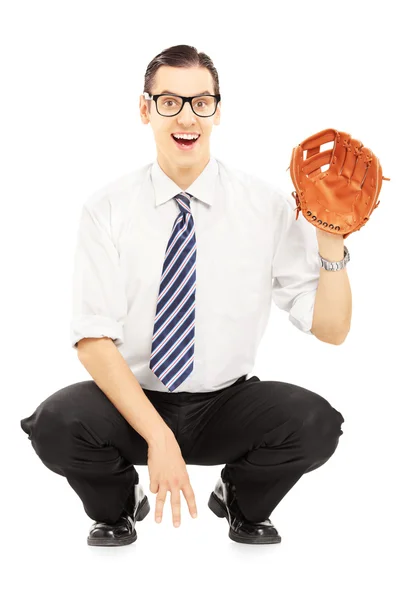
72,74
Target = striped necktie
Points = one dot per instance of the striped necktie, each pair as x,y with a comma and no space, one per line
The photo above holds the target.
172,346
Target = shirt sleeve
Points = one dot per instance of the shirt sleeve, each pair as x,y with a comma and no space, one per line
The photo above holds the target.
99,303
295,268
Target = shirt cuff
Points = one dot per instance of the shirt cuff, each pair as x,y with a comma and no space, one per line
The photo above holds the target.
302,311
96,326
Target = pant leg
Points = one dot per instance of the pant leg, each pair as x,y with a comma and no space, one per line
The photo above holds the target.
269,433
78,433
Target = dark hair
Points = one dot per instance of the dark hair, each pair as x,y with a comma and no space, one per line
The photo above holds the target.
179,56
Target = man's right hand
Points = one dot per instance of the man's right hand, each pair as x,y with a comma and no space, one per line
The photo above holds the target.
167,471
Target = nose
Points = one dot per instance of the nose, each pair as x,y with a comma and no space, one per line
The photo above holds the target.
186,116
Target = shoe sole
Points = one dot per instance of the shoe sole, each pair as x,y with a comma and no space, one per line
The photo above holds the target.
219,509
142,512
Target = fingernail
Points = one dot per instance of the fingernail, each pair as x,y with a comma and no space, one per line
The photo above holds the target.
158,519
194,515
176,523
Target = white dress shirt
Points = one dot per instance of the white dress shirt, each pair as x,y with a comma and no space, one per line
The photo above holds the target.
250,250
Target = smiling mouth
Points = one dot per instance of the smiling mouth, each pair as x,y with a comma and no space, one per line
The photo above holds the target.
185,143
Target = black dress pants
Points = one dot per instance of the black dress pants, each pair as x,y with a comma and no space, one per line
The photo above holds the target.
269,433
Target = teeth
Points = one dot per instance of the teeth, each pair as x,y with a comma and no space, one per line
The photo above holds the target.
185,136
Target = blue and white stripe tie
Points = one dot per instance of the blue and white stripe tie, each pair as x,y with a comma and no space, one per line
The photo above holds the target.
172,346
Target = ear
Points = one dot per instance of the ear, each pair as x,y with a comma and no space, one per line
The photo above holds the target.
144,110
217,116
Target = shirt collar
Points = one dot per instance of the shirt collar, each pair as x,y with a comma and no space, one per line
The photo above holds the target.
202,188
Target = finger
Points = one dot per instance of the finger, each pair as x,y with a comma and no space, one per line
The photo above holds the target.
351,158
370,184
339,153
160,501
187,491
361,166
380,178
176,505
153,487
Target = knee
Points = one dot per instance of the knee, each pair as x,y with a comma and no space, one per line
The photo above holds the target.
49,430
320,427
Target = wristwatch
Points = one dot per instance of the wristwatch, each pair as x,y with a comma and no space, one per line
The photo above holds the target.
335,265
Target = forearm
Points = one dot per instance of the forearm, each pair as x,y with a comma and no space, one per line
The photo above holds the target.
102,359
333,302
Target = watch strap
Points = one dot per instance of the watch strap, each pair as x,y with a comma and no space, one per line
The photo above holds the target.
335,265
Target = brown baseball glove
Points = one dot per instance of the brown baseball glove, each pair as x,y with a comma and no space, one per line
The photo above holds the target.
340,199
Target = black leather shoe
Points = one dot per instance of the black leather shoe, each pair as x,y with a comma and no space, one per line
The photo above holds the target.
123,531
223,503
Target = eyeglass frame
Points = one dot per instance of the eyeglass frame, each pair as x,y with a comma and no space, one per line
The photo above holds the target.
189,99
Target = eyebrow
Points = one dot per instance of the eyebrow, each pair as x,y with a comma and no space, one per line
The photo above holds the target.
169,92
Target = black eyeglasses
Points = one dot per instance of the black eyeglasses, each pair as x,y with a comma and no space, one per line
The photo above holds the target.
169,105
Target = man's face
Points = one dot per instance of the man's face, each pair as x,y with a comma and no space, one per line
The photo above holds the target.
191,81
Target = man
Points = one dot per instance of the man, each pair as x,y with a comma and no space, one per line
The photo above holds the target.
175,269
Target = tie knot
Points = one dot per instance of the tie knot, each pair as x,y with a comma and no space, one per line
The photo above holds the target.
183,199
